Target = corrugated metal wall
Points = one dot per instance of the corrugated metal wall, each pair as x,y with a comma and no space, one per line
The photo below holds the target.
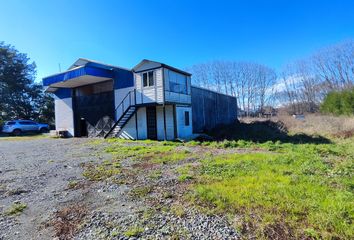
211,109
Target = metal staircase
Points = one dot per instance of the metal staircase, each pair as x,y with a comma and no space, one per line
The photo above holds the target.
124,111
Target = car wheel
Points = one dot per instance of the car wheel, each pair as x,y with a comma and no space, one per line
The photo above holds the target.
17,132
43,130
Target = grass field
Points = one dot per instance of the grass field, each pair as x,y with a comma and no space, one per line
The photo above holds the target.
269,190
292,190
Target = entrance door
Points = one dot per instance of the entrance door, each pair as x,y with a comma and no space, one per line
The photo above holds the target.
151,123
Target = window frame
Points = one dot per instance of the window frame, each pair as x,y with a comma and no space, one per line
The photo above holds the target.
176,81
148,82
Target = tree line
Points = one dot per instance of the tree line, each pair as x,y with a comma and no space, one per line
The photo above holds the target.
251,83
299,87
20,96
307,82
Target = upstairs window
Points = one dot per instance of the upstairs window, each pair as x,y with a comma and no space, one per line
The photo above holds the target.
186,118
177,82
148,79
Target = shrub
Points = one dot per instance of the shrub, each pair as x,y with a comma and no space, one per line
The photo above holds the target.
339,103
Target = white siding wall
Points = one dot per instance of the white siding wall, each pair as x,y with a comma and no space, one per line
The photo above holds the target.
64,116
147,66
160,123
129,130
149,94
159,85
169,123
119,94
184,132
142,127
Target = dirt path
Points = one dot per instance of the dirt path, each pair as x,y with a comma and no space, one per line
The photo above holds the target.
46,175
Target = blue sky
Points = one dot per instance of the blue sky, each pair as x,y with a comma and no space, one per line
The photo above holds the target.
179,33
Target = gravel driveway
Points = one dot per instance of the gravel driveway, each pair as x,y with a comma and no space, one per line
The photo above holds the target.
46,175
37,172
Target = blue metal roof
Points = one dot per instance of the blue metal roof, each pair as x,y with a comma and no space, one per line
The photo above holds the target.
78,72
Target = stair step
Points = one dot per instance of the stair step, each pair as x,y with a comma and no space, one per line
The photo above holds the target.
122,121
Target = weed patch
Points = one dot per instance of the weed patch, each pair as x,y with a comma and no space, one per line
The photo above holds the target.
133,231
67,221
140,192
101,171
178,210
16,209
157,174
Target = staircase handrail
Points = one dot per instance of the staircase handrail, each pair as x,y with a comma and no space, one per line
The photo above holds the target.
121,105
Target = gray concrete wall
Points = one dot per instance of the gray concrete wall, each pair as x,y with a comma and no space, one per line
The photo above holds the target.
211,109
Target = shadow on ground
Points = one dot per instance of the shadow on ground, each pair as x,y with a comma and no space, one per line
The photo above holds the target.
27,134
263,131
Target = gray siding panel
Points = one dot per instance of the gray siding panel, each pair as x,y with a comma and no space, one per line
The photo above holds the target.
211,109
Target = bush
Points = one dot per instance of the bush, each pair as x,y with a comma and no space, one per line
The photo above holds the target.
339,103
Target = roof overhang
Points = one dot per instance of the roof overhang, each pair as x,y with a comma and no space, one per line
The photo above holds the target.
157,65
76,77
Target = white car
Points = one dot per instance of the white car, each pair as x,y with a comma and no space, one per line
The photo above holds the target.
17,127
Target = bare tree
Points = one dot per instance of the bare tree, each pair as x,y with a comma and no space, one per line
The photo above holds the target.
307,81
251,83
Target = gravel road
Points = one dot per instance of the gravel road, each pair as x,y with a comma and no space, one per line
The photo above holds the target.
38,172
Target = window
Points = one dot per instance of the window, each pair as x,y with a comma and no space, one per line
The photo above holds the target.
148,79
151,78
145,81
177,82
10,123
186,118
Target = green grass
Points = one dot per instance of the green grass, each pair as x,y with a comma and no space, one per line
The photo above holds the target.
16,209
140,192
133,231
185,173
155,175
156,152
101,171
172,156
135,151
276,190
305,188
